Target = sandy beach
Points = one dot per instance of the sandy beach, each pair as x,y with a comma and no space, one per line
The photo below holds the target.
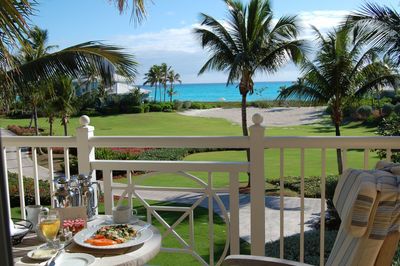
278,116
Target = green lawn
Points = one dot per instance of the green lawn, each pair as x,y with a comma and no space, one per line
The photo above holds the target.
170,124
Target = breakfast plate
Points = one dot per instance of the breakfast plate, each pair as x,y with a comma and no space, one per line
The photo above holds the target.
41,253
82,237
76,259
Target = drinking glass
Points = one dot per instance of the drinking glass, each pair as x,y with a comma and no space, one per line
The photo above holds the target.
49,225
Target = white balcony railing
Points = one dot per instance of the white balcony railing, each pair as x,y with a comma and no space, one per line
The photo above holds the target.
86,142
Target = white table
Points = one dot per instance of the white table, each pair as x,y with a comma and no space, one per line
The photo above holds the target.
134,256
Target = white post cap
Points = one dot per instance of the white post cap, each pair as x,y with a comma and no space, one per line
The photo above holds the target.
84,120
257,119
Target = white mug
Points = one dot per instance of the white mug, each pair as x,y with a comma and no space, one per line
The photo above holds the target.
32,212
123,214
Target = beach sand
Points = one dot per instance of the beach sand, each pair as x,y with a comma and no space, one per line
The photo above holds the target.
278,116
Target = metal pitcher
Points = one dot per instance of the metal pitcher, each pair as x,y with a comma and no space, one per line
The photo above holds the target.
88,194
64,196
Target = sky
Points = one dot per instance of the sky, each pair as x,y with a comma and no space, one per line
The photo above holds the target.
166,34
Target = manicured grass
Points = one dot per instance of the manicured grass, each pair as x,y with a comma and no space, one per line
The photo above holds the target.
169,124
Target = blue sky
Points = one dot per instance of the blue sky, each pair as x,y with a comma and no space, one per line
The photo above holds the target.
166,34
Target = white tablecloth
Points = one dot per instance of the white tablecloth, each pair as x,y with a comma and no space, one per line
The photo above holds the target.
134,256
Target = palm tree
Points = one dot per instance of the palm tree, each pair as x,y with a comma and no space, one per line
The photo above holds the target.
172,78
382,26
343,69
152,78
36,49
13,29
64,97
247,43
164,77
138,8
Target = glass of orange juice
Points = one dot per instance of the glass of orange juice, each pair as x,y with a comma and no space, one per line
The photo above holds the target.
49,225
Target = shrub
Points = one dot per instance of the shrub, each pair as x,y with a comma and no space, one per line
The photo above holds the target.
260,104
387,109
364,111
187,104
29,188
396,109
389,126
170,154
23,131
196,105
155,107
137,109
178,105
146,108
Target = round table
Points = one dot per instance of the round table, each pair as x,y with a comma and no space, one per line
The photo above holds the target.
138,255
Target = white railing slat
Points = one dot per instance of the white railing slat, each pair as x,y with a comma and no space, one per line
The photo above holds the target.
51,174
210,218
302,167
21,184
281,203
108,195
234,213
66,163
7,190
322,219
389,154
38,141
344,159
35,176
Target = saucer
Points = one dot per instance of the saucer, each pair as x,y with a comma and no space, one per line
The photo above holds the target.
110,220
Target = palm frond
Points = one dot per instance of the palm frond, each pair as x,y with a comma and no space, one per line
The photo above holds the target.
139,12
72,61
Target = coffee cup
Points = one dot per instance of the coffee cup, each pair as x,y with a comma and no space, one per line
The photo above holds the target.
32,214
123,214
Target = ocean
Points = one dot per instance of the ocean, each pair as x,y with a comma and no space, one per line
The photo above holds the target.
215,92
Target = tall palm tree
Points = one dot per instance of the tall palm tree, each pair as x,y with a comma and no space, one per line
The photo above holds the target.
382,25
34,90
343,69
172,79
164,68
248,42
64,96
152,78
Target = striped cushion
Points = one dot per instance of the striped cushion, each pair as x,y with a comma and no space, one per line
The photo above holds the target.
353,199
356,244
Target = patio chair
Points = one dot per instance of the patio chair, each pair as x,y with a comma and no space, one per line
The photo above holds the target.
368,203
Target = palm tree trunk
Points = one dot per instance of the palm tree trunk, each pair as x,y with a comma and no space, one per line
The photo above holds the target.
51,125
245,129
35,120
65,122
30,122
165,91
155,93
339,151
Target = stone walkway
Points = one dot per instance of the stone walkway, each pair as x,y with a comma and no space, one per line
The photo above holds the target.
272,211
27,163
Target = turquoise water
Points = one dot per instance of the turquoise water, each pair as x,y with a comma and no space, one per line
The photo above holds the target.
214,92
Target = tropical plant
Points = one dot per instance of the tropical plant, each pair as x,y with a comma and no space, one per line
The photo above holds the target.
34,91
172,79
343,69
164,78
138,8
13,30
152,78
64,97
382,26
247,43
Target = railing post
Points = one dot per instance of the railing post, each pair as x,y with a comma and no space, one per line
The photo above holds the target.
257,190
85,151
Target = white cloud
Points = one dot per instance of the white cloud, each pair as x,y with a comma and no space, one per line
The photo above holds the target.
180,48
324,20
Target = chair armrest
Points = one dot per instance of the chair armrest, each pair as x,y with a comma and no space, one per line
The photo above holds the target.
247,260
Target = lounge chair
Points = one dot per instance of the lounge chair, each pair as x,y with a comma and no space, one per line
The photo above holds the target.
368,203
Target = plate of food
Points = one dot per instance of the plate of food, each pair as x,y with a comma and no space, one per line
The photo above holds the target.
41,253
113,236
